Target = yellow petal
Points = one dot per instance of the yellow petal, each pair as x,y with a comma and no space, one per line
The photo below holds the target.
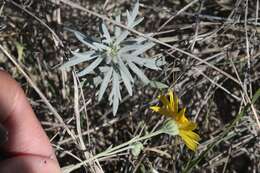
194,136
187,136
159,97
188,125
176,103
161,110
165,111
155,108
164,100
188,142
170,93
180,117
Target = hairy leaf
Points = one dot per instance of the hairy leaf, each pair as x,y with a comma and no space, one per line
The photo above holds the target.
144,48
138,72
79,58
123,67
91,67
117,29
104,84
82,38
158,85
105,32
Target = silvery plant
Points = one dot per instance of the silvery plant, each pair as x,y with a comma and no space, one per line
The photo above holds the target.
115,59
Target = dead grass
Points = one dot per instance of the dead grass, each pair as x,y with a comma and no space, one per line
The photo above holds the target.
212,52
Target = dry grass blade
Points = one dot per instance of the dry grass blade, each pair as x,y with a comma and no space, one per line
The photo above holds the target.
55,36
179,12
93,166
246,95
207,52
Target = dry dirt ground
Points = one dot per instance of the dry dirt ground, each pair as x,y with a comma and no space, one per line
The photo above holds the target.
215,86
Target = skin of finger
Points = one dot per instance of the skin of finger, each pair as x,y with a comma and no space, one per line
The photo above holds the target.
29,164
3,135
8,88
25,134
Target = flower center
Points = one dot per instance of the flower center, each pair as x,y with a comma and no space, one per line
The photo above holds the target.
113,49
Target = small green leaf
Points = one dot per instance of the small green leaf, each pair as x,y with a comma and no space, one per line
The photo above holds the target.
20,50
158,85
256,96
137,148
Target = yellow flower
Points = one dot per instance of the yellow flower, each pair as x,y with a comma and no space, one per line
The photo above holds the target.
170,109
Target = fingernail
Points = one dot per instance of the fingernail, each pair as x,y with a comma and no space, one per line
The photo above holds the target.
3,135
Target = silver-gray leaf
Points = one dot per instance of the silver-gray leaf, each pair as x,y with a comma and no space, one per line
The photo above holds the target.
144,48
115,87
104,83
79,58
138,72
127,82
82,38
91,67
137,22
123,67
129,48
135,10
117,29
106,33
100,46
122,36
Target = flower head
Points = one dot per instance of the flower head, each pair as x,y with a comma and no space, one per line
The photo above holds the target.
170,109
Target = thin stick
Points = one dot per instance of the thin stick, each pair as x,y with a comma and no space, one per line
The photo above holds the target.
77,113
55,36
247,52
246,95
218,85
78,122
179,12
257,12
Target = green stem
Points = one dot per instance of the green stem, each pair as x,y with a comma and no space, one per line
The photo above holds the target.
117,149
